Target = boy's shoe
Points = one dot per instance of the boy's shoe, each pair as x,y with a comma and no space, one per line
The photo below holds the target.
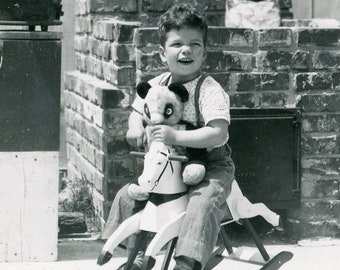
185,263
133,267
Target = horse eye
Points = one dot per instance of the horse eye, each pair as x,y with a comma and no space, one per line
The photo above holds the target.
159,163
146,110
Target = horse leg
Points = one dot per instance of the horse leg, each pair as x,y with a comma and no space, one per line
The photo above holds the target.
167,232
248,210
127,228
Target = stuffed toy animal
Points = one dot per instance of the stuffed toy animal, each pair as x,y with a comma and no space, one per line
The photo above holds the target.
163,105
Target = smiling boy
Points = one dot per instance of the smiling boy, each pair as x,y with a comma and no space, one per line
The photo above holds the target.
183,36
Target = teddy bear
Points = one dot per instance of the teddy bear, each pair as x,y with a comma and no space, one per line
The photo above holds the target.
163,105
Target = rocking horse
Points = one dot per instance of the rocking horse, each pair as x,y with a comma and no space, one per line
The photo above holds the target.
165,210
162,178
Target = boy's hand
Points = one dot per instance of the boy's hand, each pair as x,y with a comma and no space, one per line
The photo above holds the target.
136,137
163,133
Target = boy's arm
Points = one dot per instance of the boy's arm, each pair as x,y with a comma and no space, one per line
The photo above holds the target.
135,135
214,134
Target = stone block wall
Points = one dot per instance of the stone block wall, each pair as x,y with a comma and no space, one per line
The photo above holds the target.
116,45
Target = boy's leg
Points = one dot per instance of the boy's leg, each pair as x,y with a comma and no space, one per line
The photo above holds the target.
207,207
123,207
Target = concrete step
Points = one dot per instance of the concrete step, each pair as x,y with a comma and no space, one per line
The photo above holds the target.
316,210
301,229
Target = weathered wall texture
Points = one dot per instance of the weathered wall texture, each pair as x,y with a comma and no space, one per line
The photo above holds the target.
286,67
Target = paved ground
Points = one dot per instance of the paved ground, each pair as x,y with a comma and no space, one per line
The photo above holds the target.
321,254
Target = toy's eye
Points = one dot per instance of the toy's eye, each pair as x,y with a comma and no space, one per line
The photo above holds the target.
146,110
168,110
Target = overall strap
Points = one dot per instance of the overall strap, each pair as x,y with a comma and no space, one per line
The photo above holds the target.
166,78
197,94
164,81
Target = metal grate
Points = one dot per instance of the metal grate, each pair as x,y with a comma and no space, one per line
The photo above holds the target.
265,147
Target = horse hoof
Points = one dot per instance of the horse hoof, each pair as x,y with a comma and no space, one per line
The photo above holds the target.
104,257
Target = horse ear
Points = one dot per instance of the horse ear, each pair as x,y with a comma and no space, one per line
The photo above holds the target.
179,90
143,89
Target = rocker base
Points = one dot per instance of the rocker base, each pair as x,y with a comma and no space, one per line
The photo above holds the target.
104,257
278,260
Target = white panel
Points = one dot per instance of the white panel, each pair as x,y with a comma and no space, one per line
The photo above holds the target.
302,9
28,206
329,9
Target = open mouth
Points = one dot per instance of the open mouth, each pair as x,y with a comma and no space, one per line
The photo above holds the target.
185,61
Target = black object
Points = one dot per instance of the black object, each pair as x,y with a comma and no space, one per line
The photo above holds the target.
31,13
265,147
30,10
30,68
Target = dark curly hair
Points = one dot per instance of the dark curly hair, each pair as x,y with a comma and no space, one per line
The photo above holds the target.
179,17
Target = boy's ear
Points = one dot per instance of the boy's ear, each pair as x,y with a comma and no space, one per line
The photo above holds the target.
162,54
205,54
180,91
143,89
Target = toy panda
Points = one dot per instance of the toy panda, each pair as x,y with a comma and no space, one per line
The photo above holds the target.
163,105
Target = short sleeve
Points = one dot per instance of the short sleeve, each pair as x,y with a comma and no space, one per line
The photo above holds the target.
214,102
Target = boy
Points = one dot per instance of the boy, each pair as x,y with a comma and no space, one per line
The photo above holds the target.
183,35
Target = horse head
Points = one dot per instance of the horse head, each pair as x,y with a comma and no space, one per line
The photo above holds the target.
161,174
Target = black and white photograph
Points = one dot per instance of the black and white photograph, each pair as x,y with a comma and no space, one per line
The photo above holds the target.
169,134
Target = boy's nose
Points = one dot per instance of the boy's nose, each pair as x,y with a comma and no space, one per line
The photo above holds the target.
186,50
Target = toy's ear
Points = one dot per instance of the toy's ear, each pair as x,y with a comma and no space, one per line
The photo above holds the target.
143,89
179,90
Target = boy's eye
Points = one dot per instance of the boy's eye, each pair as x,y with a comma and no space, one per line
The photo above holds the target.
196,43
176,44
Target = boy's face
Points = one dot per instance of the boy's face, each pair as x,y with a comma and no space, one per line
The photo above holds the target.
184,52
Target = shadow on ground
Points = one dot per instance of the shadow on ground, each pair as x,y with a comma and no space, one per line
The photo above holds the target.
76,249
69,250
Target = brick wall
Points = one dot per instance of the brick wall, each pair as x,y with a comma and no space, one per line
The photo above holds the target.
286,67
